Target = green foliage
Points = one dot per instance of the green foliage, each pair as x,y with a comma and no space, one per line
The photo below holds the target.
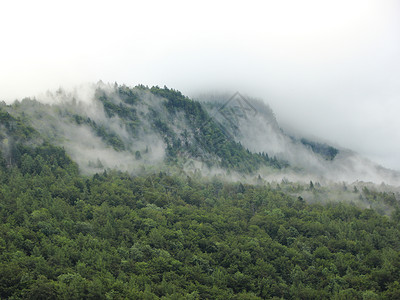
161,236
10,125
130,114
114,235
209,139
328,152
107,135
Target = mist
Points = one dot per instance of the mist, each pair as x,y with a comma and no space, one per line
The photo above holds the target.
77,121
329,69
108,126
254,125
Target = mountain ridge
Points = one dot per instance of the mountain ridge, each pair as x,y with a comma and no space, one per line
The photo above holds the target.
114,126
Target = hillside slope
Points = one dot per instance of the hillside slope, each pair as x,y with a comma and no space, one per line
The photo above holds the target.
252,123
176,235
141,129
131,129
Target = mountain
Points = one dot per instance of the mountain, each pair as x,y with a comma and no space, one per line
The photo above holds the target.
253,125
110,192
104,126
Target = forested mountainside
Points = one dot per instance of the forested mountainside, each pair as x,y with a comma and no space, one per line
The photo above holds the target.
253,124
136,129
102,200
114,235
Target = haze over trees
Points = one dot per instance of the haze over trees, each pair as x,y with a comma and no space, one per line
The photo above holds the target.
86,228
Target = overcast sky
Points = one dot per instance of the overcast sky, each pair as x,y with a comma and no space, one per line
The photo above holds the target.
328,68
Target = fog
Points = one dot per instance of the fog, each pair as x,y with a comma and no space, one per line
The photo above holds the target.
87,141
329,69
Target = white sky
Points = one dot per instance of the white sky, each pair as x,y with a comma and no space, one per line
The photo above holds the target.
328,68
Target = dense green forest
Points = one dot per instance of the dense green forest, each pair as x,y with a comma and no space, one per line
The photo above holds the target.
177,235
114,236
